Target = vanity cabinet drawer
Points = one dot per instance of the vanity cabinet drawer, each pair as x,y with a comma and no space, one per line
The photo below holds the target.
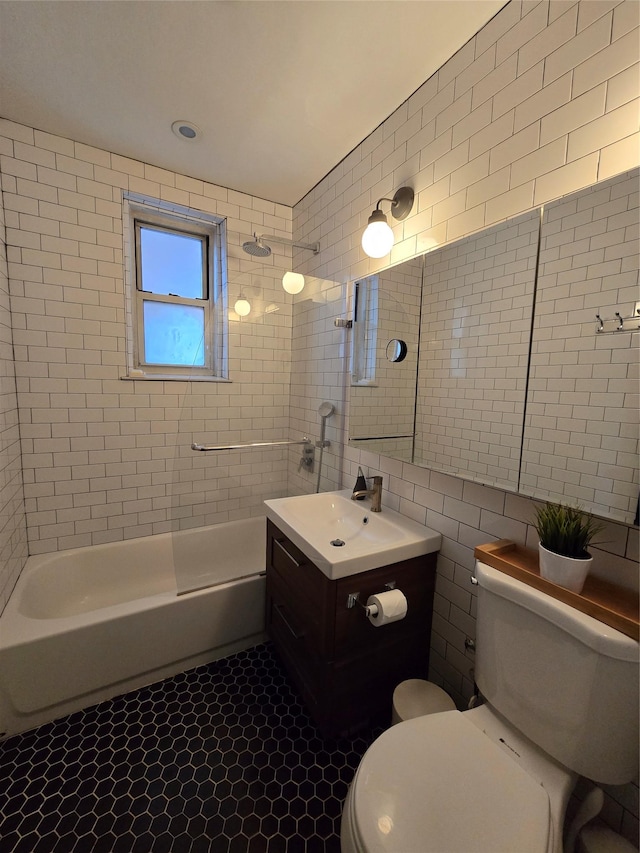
303,587
284,555
296,644
295,569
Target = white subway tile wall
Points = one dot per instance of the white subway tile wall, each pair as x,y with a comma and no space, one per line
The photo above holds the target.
474,350
581,430
539,73
106,459
13,531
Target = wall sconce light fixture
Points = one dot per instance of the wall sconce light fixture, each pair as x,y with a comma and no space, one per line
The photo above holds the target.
377,239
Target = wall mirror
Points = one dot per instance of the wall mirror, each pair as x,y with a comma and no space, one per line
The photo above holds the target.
509,379
386,328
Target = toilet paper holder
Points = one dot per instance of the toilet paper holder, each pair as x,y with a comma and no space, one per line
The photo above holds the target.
354,598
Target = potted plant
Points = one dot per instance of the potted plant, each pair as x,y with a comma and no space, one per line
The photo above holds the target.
565,534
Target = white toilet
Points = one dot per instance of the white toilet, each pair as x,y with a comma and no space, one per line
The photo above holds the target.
561,700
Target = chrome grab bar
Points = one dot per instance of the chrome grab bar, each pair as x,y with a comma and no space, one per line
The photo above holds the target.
207,447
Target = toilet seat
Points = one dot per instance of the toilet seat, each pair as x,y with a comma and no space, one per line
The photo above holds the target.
438,783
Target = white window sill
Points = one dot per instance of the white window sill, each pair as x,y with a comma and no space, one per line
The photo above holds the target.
166,377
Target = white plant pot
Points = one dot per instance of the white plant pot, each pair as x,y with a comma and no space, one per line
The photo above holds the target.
568,572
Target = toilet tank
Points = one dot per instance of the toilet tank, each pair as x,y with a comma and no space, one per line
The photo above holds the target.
565,680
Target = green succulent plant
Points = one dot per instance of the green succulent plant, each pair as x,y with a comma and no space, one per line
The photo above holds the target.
566,530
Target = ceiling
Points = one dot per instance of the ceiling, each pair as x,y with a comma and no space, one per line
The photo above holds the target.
282,90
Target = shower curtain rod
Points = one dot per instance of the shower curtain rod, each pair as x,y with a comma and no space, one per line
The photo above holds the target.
207,447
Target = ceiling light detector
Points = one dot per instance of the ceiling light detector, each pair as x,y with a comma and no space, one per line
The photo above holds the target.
186,130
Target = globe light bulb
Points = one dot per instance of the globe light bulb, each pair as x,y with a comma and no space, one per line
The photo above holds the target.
242,307
293,282
377,239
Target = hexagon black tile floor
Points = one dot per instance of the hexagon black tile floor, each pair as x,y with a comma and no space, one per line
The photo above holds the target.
223,759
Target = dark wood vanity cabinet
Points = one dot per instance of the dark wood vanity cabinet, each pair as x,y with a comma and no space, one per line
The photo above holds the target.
344,667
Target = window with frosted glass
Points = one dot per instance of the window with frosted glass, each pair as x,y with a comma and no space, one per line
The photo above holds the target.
179,327
173,334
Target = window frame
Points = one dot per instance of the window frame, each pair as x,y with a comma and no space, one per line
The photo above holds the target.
364,339
211,232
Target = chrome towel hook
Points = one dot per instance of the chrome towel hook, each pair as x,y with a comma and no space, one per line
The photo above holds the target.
618,323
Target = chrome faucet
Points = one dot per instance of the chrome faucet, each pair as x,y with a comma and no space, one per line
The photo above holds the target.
375,493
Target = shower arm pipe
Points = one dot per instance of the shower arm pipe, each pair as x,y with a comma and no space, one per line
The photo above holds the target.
271,238
207,447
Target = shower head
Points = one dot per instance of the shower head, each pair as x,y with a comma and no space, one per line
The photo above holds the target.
259,248
256,247
325,410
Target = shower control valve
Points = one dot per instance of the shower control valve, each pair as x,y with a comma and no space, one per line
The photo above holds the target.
307,458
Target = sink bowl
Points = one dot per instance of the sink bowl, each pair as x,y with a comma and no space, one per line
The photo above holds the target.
343,537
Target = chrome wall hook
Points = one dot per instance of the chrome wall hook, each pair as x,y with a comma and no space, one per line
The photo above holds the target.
618,323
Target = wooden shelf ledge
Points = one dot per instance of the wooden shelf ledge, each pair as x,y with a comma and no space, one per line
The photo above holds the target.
611,604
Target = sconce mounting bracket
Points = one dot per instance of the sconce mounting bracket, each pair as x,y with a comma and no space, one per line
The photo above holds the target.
402,203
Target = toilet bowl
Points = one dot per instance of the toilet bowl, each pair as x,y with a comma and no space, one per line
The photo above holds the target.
561,699
455,782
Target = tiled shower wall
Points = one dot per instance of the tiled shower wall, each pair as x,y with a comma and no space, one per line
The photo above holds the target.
540,103
106,459
13,532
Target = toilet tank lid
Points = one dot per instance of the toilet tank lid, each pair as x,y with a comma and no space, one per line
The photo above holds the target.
593,633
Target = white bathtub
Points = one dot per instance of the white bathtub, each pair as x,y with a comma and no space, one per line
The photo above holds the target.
89,624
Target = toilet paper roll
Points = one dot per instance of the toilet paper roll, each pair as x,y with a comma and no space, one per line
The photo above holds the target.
386,607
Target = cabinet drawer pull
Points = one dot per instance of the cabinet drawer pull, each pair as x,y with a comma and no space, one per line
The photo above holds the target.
280,609
290,556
